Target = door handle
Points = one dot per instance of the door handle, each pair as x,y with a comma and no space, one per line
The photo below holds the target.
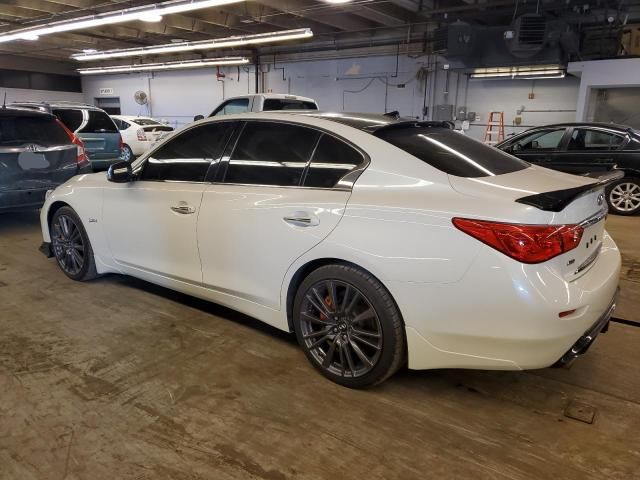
183,209
302,219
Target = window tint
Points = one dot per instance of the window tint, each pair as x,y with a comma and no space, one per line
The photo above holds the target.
72,118
44,131
99,122
452,152
271,154
545,140
331,161
585,139
187,157
238,105
287,104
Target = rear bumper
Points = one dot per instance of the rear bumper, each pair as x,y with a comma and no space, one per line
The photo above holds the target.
585,341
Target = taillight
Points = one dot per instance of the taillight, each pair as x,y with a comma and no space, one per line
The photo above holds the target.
525,243
142,136
81,155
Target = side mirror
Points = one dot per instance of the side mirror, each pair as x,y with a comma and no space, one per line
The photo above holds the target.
198,117
120,172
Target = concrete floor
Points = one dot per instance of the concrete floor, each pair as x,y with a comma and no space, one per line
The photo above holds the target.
118,379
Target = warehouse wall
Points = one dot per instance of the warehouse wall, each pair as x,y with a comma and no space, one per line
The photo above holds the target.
29,95
365,84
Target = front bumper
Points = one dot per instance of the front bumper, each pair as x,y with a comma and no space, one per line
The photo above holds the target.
585,341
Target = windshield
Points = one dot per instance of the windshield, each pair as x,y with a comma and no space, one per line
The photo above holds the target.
452,152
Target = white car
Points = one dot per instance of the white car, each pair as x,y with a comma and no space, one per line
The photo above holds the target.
264,102
139,134
379,241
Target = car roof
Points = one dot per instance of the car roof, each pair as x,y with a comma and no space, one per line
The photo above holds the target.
366,122
610,126
12,111
60,104
281,96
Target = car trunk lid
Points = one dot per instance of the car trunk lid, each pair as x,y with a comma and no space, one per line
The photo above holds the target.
581,203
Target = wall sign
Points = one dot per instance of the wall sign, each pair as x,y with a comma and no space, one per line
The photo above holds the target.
105,91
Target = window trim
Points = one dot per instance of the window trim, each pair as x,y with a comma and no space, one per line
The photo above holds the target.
352,174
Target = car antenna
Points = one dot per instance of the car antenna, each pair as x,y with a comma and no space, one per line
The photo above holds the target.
4,102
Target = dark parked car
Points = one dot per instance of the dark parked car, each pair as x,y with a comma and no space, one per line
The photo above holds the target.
586,148
37,153
91,124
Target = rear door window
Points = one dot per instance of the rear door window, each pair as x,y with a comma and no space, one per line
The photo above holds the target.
590,140
99,122
452,152
187,157
21,130
331,161
71,117
270,153
271,104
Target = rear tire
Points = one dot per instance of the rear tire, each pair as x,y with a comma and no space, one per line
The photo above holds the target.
348,326
623,196
71,246
127,154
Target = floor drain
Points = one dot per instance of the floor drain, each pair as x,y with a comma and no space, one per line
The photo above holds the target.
580,411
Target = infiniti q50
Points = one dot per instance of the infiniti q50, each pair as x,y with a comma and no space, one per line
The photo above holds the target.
379,241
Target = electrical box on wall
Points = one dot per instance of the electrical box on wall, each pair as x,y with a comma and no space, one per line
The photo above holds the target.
444,113
461,113
471,116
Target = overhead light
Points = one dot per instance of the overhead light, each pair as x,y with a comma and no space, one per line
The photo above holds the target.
532,72
110,18
144,67
199,45
151,18
30,36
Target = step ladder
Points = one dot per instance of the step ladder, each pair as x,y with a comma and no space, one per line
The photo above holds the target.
495,128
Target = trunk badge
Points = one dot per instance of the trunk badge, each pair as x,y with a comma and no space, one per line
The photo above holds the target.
600,199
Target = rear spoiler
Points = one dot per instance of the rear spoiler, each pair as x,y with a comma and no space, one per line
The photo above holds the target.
557,200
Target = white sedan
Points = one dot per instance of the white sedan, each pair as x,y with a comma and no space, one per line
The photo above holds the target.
139,134
378,241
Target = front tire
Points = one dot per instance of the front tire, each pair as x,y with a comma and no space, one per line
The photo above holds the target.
348,326
70,245
623,196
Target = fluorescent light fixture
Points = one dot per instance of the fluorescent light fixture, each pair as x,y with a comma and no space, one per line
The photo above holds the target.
532,72
144,67
110,18
151,18
199,45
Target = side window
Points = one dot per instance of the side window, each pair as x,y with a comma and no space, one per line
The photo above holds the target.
71,118
187,157
586,139
119,123
271,154
238,105
331,161
545,140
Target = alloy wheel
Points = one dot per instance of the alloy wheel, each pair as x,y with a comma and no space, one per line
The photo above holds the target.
340,328
68,246
625,196
126,154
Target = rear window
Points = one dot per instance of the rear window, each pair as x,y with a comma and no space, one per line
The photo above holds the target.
99,122
452,152
288,104
44,131
72,118
145,121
